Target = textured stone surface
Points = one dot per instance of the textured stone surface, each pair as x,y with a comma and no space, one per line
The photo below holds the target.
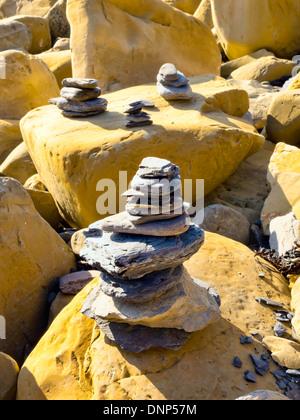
25,7
283,121
225,221
284,352
14,35
57,19
10,137
186,306
284,178
92,105
18,164
263,395
142,290
229,66
121,223
59,62
20,90
242,29
187,6
73,283
29,247
137,338
133,256
204,13
8,378
125,30
100,370
170,93
284,233
214,143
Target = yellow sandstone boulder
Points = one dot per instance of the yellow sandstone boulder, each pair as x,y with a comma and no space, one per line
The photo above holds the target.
33,256
39,29
25,83
18,164
284,352
59,62
10,137
264,69
284,178
232,65
25,7
245,26
8,379
74,361
187,6
115,41
283,121
295,305
203,136
204,14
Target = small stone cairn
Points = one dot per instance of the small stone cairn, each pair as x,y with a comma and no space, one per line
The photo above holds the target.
136,117
80,98
172,84
145,297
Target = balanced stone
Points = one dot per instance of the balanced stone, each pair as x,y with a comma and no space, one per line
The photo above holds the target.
138,117
134,108
73,114
148,287
133,256
132,124
76,94
187,306
181,81
168,72
150,218
152,167
80,83
170,93
137,338
156,186
121,223
99,104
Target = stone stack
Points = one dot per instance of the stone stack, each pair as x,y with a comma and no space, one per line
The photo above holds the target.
145,297
172,84
80,98
135,116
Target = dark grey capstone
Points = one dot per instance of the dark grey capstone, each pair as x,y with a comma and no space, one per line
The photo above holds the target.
133,256
133,108
261,365
80,83
152,167
168,72
137,338
79,95
92,105
249,376
148,287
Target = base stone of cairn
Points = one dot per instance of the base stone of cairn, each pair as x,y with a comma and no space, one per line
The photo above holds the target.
146,298
80,98
172,84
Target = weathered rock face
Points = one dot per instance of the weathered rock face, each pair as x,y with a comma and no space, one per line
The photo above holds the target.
128,32
284,352
39,30
18,164
242,29
284,178
25,7
283,121
59,62
204,14
9,376
203,364
14,35
284,233
180,134
187,6
10,136
57,19
26,83
232,65
34,256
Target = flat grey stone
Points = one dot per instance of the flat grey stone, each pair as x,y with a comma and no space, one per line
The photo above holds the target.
249,376
168,72
139,117
152,167
148,287
73,283
133,124
70,114
237,362
170,93
80,83
181,81
79,95
92,105
143,102
261,365
156,186
269,302
137,338
175,206
134,256
133,108
121,223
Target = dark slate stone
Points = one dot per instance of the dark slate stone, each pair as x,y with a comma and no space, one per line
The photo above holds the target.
268,301
80,83
134,124
137,338
249,376
92,105
134,108
152,167
237,362
148,287
133,256
246,340
261,365
293,395
279,329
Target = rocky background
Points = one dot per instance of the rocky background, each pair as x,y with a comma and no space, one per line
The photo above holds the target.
239,131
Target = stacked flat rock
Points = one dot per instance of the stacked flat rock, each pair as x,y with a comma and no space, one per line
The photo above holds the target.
172,84
145,297
80,98
136,117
